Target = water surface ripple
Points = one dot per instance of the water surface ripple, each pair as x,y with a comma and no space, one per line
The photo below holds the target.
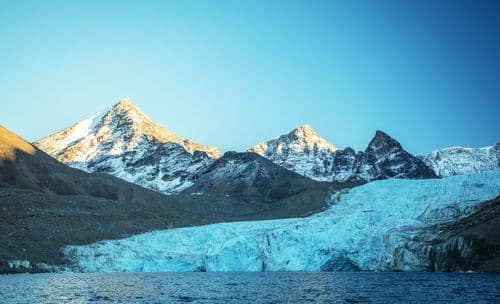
260,287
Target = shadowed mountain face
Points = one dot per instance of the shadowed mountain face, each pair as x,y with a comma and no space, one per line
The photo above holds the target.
247,181
385,158
45,204
249,176
24,166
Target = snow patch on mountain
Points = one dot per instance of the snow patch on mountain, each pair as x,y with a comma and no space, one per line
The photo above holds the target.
366,228
459,160
61,140
124,142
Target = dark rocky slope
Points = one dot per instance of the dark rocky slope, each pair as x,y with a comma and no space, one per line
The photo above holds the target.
246,182
469,244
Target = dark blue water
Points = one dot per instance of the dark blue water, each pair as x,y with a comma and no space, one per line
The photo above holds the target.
357,287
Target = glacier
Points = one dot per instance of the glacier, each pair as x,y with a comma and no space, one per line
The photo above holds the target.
365,228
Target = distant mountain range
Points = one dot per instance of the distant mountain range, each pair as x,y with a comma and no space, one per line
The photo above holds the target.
124,142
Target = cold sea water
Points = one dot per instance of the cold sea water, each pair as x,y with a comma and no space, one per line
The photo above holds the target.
261,287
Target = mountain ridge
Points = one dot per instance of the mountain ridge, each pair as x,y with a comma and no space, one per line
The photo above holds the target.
124,142
333,164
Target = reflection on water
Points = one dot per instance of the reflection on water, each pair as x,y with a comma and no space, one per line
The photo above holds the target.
357,287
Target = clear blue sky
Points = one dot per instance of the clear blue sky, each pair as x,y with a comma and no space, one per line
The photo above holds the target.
234,73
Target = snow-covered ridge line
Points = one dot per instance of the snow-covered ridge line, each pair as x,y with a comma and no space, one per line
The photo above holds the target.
305,152
125,143
461,160
366,228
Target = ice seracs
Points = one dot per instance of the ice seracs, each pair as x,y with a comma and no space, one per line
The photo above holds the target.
380,226
459,160
308,154
124,142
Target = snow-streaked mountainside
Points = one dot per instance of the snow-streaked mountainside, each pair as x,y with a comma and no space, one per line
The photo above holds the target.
305,152
459,160
126,143
378,226
302,150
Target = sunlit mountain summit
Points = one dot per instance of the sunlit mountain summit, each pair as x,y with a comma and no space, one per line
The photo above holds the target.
124,142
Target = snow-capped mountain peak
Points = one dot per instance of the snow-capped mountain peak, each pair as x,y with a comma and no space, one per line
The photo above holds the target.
306,153
124,118
309,140
302,150
301,139
126,143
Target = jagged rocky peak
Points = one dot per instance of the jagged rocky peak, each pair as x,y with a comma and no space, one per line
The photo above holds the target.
306,153
307,139
382,145
122,128
307,133
382,142
127,119
126,105
385,158
126,115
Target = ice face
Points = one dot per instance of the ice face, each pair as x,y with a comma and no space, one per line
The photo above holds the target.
361,230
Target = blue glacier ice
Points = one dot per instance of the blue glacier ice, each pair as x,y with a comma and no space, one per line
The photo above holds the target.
362,229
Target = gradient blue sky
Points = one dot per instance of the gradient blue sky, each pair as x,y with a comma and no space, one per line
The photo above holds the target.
234,73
